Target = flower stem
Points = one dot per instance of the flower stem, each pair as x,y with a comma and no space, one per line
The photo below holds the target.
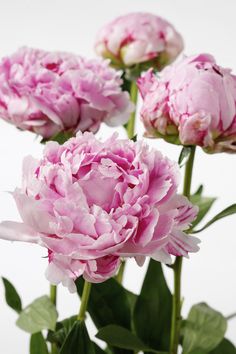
54,348
134,99
84,301
53,297
53,294
188,173
177,267
120,273
230,317
130,132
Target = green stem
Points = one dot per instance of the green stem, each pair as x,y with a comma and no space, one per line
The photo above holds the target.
130,132
134,98
84,301
54,348
177,267
53,294
230,317
53,297
120,273
189,172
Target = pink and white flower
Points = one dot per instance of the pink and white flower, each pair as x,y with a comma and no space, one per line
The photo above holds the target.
48,93
193,101
139,37
90,203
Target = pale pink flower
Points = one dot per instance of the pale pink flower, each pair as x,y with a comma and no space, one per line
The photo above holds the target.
91,203
139,37
193,102
48,93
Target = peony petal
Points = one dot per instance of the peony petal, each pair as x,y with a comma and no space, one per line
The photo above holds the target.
16,231
32,213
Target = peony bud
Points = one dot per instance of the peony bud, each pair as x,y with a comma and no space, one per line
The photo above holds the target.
139,38
191,103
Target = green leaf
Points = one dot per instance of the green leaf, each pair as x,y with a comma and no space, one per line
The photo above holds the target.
108,303
204,329
225,347
204,204
60,137
199,190
152,313
184,155
226,212
121,337
12,298
39,315
62,330
78,341
38,344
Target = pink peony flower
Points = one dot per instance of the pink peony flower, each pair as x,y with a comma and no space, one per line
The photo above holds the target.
192,103
52,92
139,37
91,203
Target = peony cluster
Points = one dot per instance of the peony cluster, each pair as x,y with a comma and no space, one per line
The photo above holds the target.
193,102
48,93
90,203
139,37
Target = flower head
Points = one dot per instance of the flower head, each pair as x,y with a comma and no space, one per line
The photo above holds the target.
91,203
48,93
193,102
137,38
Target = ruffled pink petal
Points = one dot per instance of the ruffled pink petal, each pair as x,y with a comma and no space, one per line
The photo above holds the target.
181,244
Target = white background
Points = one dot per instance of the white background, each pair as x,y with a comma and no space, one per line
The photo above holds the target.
71,25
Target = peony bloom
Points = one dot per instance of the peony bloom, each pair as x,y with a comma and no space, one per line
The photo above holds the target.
193,102
137,38
91,203
48,93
